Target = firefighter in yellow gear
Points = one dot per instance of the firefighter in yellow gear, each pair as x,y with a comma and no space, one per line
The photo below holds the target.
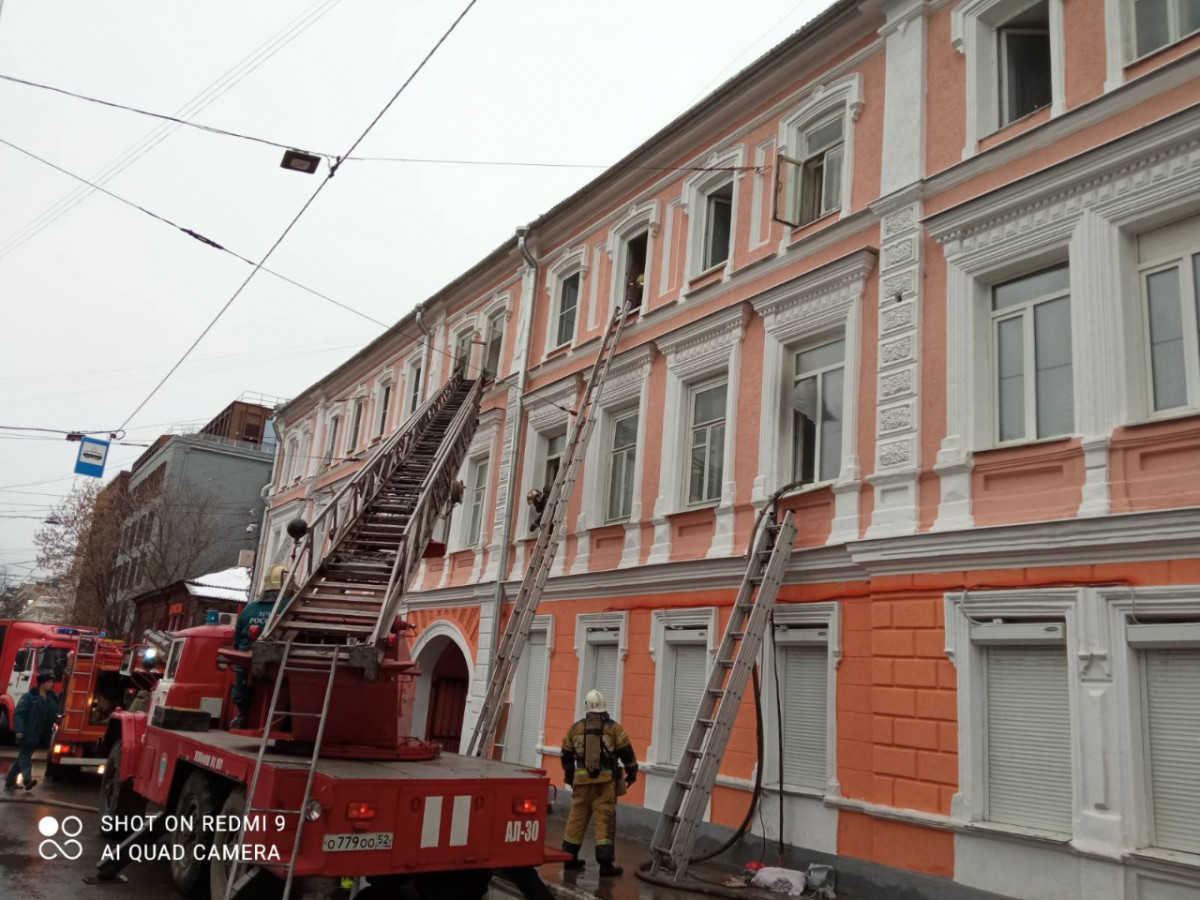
598,763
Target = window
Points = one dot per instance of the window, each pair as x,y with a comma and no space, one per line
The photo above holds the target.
1157,23
601,659
1023,57
1026,725
356,427
385,403
414,388
528,705
687,652
1031,342
291,458
705,474
817,398
1171,711
635,271
803,671
621,468
333,435
568,304
819,188
1170,269
478,494
495,341
462,351
554,454
718,225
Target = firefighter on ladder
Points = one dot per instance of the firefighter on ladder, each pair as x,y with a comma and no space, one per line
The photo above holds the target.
594,752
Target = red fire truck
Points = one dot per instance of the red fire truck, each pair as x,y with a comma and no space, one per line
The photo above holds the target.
413,815
26,650
98,682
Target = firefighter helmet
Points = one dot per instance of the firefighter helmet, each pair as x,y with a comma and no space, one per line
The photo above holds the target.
274,578
594,702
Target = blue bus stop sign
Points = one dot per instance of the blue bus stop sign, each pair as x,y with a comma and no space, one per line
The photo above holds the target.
92,454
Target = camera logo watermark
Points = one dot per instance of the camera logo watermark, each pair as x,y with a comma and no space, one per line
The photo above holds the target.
71,827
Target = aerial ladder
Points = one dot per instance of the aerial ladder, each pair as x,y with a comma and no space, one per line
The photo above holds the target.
687,799
549,535
352,567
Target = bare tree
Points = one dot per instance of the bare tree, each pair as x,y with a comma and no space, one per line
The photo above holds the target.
11,601
104,545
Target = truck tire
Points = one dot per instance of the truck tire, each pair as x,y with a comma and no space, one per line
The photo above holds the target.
117,798
262,886
6,736
197,798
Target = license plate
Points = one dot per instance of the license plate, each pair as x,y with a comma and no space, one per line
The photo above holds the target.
377,840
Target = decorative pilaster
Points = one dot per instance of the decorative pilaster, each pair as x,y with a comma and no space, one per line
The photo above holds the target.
897,420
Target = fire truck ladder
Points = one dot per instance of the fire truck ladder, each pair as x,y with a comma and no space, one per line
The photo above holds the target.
516,632
75,701
356,561
697,770
241,874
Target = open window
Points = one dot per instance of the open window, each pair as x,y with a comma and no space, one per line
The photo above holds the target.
635,271
495,342
809,186
414,387
1023,60
334,425
718,225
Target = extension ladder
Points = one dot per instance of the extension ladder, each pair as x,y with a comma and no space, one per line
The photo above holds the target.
541,560
240,874
696,773
359,555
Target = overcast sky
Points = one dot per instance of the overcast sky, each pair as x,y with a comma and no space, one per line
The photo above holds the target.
97,301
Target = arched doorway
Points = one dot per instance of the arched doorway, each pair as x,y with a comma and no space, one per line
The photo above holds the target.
442,690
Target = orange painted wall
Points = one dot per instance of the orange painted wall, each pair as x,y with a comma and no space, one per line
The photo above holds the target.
896,844
1155,466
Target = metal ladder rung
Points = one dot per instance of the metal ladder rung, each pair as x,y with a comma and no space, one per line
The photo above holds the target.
286,812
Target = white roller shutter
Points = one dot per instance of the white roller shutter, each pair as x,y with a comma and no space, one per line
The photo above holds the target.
1172,709
604,678
804,681
1028,737
529,702
689,678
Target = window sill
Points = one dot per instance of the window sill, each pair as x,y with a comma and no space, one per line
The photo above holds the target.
998,133
1169,415
823,218
705,273
1019,831
1016,445
560,350
1145,57
697,507
1173,858
789,791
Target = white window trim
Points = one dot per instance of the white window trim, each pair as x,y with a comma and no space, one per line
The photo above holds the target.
358,398
817,302
305,460
623,391
973,25
1189,312
500,304
638,218
1094,206
964,609
585,622
829,615
845,92
1118,661
570,261
543,623
1121,41
334,442
292,467
411,366
695,195
467,326
380,419
658,753
694,390
702,351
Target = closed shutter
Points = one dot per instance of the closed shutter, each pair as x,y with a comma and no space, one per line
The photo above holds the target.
605,678
804,679
529,705
689,678
1029,738
1172,703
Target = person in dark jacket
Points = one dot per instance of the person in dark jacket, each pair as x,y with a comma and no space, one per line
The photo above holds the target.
33,723
250,623
594,751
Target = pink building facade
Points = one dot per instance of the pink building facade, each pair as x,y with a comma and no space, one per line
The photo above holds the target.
940,261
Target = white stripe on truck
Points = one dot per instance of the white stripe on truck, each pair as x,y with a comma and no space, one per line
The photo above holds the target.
431,825
460,823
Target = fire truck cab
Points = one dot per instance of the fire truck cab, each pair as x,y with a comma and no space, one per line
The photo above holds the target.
412,818
26,650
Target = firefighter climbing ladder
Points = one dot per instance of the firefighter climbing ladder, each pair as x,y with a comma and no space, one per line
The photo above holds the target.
516,632
697,770
240,874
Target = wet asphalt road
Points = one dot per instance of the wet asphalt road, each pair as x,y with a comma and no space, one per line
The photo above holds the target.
25,875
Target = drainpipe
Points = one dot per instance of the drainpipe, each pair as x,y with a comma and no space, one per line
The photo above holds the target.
420,315
526,322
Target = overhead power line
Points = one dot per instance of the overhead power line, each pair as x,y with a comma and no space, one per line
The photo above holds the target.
303,209
226,81
332,159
